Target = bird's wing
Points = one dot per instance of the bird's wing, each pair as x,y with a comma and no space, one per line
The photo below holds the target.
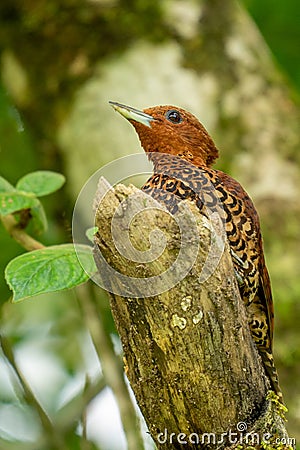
267,297
264,286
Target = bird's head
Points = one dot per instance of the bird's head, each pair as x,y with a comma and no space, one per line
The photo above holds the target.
171,130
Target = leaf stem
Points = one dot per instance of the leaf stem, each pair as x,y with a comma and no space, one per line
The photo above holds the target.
17,232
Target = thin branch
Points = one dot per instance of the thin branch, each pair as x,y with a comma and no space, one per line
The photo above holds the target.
85,444
111,365
70,412
19,234
31,398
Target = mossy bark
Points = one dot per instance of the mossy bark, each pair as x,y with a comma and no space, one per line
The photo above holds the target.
188,352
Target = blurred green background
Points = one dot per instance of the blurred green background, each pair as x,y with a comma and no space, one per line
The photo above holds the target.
50,328
279,24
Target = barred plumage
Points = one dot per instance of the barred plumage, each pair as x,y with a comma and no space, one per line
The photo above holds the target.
168,130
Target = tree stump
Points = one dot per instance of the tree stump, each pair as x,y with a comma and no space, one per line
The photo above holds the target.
189,356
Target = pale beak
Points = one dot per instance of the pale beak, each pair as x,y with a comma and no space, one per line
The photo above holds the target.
133,114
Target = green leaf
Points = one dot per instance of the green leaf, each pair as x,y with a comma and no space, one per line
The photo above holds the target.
50,269
5,186
42,182
11,202
39,219
90,233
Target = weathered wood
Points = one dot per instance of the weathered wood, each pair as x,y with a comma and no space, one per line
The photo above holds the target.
188,352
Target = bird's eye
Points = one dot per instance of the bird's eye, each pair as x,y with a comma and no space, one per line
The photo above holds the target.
174,116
